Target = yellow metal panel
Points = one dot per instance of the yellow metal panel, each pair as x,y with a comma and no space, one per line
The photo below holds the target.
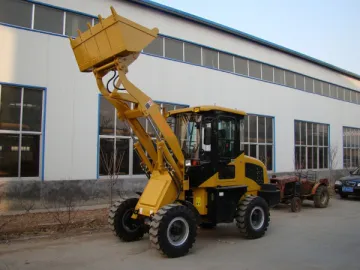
160,190
240,178
200,200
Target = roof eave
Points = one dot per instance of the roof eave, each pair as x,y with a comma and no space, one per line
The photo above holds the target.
203,21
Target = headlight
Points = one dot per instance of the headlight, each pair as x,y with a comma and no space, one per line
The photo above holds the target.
358,184
337,182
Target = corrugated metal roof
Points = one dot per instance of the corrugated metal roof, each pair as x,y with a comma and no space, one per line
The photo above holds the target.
203,21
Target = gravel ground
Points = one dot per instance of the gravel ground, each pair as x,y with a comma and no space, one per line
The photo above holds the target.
312,239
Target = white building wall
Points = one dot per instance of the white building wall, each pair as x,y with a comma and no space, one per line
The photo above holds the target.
190,31
43,60
32,58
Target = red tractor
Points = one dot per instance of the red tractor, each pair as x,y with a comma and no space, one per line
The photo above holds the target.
294,189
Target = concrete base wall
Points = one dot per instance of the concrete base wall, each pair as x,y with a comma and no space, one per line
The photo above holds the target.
23,195
31,195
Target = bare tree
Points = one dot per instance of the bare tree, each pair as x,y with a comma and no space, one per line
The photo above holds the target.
111,162
300,165
26,194
63,203
333,152
5,220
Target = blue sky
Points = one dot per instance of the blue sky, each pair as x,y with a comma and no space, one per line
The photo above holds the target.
326,30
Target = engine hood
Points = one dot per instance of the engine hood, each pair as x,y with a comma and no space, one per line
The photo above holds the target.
355,178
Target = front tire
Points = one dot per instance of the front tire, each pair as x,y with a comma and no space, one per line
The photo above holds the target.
173,230
253,217
121,223
296,204
322,196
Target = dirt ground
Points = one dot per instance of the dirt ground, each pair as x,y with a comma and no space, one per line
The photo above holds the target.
312,239
51,223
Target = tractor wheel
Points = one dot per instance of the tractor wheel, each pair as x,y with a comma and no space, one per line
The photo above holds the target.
173,230
296,204
321,197
123,226
253,217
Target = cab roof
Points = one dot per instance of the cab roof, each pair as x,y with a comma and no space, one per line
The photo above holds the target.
205,109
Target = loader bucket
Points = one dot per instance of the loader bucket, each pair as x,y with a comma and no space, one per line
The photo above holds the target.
114,36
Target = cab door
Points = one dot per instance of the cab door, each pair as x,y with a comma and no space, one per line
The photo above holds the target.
227,147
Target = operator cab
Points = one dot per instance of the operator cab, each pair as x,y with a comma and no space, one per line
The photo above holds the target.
210,138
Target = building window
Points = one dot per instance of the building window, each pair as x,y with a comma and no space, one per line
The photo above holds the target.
49,19
116,152
16,12
290,79
156,47
258,139
300,82
340,93
21,114
279,76
192,53
351,147
347,95
353,96
226,62
210,58
241,66
326,89
75,22
254,69
311,145
333,91
318,87
174,49
267,73
309,85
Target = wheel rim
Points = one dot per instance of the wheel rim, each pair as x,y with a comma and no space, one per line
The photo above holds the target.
178,231
257,217
128,223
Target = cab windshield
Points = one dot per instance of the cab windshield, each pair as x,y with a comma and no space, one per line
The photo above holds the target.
187,127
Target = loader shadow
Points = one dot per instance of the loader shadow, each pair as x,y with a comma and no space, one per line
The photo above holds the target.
307,205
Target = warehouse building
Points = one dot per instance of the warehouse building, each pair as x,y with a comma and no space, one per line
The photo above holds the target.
54,124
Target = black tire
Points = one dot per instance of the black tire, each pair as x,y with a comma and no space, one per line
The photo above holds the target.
120,221
161,240
296,204
321,197
245,213
343,196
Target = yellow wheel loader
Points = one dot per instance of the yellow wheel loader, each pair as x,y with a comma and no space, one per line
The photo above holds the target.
198,173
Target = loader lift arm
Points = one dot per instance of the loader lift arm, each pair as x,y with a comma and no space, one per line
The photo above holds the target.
113,45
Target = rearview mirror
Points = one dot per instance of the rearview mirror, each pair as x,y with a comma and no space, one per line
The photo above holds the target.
207,136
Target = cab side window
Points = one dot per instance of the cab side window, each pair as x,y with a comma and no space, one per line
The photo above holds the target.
226,137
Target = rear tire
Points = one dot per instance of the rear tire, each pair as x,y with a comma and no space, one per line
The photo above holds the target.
322,197
121,223
173,230
253,217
